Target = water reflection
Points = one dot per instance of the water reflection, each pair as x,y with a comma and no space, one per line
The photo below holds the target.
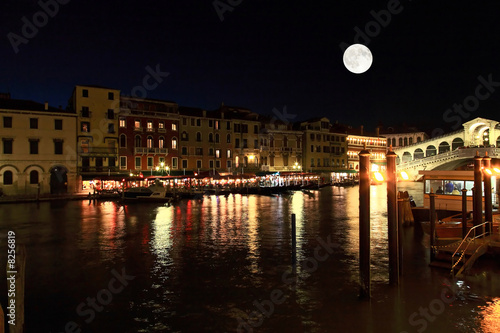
203,265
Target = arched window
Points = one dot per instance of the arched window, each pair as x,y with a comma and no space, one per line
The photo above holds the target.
406,141
394,142
174,143
228,138
137,141
198,136
123,141
419,139
210,137
410,141
184,136
149,142
217,138
161,142
400,142
7,178
34,177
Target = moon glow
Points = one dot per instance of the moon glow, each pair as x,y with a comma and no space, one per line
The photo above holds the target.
358,58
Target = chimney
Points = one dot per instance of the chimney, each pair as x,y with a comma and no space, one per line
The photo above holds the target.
377,131
46,106
361,130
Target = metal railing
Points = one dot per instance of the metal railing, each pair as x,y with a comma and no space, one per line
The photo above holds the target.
468,241
145,150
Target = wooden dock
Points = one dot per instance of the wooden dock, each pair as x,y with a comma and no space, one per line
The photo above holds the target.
472,250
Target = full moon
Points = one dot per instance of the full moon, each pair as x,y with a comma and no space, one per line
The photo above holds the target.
358,58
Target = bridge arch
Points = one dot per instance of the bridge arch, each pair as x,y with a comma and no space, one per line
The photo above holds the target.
407,157
418,154
430,150
443,147
457,142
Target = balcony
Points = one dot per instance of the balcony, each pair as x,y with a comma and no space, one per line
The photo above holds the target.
155,151
162,130
150,129
85,113
97,151
104,169
138,129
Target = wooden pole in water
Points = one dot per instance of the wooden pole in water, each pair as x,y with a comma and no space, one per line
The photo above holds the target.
433,222
2,322
294,241
488,209
364,223
464,212
478,191
400,233
392,218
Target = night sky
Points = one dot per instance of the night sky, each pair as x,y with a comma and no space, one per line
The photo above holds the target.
266,55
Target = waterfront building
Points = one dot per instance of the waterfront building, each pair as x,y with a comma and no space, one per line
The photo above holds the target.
245,126
97,110
357,140
148,135
280,146
324,149
402,137
38,152
201,147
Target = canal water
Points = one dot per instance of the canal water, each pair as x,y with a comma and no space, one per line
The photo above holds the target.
223,264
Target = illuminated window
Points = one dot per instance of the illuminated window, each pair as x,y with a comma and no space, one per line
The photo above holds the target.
174,143
123,123
174,127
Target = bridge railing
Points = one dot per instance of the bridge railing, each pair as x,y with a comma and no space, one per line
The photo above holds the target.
429,140
457,153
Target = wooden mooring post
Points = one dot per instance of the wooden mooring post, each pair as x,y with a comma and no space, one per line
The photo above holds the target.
294,241
364,224
464,213
433,223
392,218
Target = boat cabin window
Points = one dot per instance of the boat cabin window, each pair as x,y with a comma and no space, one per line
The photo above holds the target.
450,187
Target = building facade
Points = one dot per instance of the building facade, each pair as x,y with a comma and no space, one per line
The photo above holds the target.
280,147
325,149
148,135
38,153
97,110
